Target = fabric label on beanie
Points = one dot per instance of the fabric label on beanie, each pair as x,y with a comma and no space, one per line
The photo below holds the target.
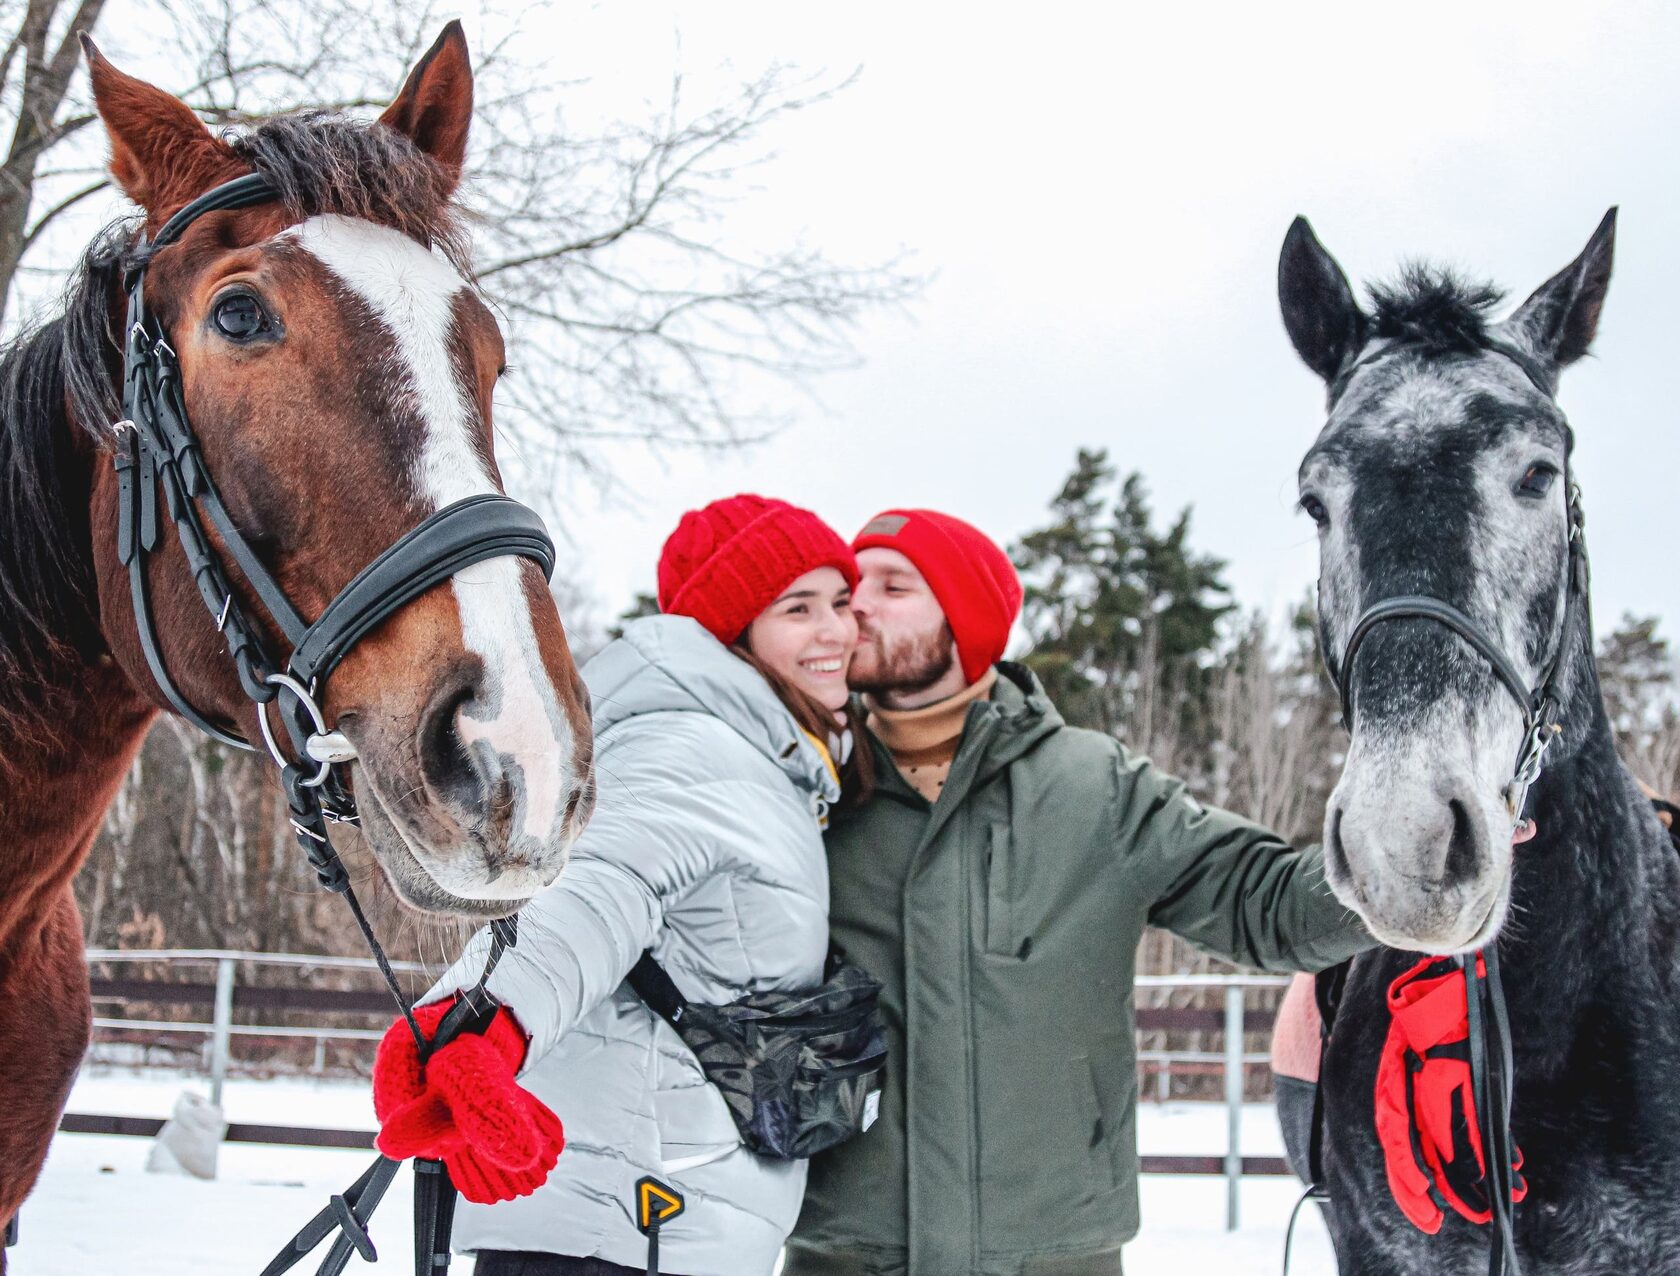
886,525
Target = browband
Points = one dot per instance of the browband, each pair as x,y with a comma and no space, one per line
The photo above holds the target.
1543,376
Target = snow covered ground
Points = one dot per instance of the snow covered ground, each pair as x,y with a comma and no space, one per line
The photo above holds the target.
98,1213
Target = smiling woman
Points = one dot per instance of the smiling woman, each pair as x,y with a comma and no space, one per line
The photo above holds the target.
806,637
722,749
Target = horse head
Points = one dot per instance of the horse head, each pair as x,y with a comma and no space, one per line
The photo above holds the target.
1440,479
337,366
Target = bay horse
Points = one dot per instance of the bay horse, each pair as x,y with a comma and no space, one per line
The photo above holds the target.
1443,473
337,366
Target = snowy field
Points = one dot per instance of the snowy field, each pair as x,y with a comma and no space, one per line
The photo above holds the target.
98,1213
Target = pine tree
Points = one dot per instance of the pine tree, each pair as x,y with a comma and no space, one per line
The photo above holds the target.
1124,617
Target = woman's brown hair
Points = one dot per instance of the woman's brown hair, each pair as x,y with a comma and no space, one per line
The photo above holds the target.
857,772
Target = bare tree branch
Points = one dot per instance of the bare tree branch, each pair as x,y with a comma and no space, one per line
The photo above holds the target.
63,206
634,312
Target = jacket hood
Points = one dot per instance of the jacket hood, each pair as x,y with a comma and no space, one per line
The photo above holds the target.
671,664
1025,713
1008,725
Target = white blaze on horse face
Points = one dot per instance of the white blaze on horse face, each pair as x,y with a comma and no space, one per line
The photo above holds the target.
528,737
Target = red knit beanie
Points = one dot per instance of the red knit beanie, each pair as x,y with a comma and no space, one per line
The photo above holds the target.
971,577
726,563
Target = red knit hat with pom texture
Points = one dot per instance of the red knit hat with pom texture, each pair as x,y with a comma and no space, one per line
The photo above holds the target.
972,578
729,561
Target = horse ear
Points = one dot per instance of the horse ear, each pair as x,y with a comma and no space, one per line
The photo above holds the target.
1561,318
1324,321
435,105
161,153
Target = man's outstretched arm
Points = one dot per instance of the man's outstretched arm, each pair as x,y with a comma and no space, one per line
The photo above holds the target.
1226,884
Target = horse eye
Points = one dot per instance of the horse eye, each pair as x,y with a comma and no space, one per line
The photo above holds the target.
1538,480
239,317
1315,510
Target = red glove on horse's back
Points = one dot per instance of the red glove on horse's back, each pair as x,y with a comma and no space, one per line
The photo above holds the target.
465,1108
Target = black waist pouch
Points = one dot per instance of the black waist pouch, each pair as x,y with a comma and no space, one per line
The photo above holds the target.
801,1071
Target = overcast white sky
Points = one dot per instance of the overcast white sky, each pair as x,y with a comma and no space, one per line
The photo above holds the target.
1101,192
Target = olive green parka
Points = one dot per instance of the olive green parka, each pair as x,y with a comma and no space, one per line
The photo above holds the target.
1003,922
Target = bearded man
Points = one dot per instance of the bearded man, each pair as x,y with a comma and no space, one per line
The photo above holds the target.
998,884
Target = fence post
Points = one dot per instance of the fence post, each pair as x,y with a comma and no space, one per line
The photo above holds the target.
220,1025
1233,1104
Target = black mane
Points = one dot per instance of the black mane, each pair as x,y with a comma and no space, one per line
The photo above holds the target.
1433,308
64,374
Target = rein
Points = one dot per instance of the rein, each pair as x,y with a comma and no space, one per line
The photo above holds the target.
155,446
1489,1031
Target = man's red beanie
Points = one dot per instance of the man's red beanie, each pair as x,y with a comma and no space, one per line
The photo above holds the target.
726,563
971,577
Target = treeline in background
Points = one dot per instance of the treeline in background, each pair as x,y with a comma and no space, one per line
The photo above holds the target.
1131,627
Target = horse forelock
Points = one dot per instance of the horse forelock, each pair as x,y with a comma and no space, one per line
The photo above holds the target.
324,163
1433,308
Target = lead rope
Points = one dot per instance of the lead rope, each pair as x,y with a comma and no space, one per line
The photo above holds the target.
348,1213
1313,1193
1490,1081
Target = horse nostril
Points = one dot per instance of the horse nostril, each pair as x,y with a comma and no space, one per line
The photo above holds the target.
1334,849
444,758
572,805
1461,858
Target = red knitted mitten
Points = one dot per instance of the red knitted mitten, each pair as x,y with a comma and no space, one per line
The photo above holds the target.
465,1108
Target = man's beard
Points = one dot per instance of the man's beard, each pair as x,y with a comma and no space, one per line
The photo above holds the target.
909,665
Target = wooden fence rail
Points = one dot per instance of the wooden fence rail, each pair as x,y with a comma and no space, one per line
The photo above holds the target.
228,994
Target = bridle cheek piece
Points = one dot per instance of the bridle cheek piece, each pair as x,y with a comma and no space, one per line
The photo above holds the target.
155,446
1540,705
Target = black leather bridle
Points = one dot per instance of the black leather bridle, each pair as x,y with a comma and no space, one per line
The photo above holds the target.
1489,1030
1540,704
156,447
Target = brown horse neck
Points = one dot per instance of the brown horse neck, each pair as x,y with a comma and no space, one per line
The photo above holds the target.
54,790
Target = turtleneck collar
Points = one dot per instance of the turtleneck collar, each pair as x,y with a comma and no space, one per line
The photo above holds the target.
906,731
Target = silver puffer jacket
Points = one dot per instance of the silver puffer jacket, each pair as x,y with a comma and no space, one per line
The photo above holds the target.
705,846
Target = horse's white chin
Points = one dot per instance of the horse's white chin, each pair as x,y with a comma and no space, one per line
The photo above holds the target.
468,890
1423,929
